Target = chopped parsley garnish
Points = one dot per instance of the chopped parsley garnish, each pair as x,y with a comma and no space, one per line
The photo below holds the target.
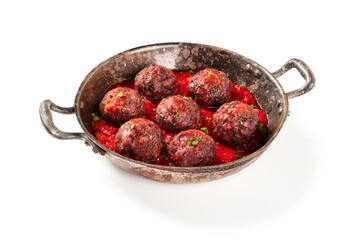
227,74
177,112
132,126
192,73
184,98
154,109
192,143
238,150
242,124
120,94
234,137
205,130
211,73
208,118
149,86
253,106
229,111
196,96
95,117
174,124
261,127
110,94
238,155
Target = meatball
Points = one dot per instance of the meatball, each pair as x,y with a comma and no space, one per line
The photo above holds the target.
177,113
210,87
140,139
235,123
156,82
121,104
192,148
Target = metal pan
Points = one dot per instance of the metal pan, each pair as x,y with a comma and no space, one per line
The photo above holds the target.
179,56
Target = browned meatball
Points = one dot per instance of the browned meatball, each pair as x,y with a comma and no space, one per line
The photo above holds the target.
121,104
156,82
235,123
140,139
210,87
192,148
177,113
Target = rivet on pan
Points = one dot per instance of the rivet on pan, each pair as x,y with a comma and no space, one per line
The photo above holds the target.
248,67
280,107
257,73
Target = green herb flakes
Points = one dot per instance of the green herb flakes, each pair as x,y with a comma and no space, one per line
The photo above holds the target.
261,127
149,87
95,117
205,130
238,155
192,143
132,126
238,150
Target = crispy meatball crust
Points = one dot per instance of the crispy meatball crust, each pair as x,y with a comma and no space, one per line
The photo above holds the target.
177,113
210,87
156,82
121,104
140,139
235,123
192,148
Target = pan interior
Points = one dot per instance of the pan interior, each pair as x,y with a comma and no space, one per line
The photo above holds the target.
182,56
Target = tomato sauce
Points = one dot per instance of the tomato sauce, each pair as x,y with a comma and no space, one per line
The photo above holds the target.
105,132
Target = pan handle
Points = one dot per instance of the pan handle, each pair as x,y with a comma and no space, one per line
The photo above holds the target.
304,71
45,109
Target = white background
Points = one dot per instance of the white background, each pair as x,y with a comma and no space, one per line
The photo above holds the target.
305,186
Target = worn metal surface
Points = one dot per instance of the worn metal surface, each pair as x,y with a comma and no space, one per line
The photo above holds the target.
181,56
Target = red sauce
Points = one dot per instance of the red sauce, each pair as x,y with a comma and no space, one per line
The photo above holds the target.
105,133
